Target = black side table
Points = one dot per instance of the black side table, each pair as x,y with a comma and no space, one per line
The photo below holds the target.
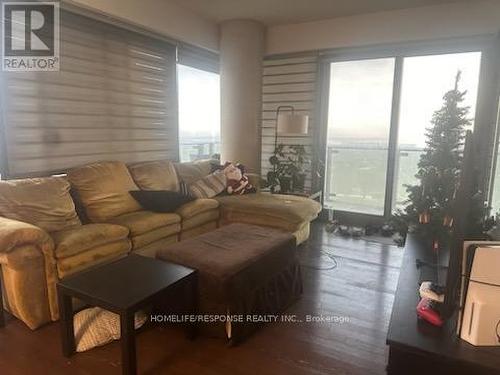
124,287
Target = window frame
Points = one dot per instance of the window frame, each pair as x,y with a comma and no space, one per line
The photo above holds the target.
198,67
480,44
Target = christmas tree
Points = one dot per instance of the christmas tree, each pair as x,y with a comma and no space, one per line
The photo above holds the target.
428,212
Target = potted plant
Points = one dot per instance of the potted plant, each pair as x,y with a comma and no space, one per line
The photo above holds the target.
276,180
288,164
298,160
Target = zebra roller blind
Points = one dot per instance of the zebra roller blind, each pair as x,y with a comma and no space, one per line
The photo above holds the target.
198,58
114,98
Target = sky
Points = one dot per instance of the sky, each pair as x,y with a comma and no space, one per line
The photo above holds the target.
199,103
359,116
361,96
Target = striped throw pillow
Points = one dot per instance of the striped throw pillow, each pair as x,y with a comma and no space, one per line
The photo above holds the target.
184,188
209,186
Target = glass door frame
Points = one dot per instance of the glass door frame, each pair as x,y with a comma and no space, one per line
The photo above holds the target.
494,158
399,52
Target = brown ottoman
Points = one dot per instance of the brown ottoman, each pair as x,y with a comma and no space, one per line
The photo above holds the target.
243,270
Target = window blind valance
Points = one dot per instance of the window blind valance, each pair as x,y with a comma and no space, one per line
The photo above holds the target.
198,58
114,98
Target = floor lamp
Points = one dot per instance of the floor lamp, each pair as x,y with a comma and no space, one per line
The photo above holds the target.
290,123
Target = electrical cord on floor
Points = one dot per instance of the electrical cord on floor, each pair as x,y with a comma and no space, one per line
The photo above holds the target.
330,268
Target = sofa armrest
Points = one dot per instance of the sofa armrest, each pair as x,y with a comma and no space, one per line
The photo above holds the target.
255,180
15,233
28,269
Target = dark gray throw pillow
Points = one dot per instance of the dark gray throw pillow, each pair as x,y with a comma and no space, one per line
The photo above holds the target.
160,200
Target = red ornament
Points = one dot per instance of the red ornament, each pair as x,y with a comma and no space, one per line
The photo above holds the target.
448,221
435,245
424,217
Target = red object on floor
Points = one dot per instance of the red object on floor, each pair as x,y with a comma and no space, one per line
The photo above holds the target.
426,311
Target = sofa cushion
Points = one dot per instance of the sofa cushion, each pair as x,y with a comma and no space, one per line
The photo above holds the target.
77,240
198,229
92,257
144,221
160,200
154,235
43,202
195,170
196,207
155,175
269,209
103,188
200,219
151,249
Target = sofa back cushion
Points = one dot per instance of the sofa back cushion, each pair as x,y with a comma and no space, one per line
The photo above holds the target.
155,175
103,189
195,170
44,202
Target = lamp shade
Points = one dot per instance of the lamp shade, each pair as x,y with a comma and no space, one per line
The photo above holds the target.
292,123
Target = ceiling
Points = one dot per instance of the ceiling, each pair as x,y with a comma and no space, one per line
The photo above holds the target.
274,12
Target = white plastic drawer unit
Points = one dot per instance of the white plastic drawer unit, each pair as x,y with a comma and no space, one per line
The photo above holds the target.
481,311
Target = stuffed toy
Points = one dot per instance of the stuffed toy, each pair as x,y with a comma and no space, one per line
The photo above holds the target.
237,181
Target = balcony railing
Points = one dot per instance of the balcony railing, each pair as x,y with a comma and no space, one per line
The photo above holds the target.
356,177
193,150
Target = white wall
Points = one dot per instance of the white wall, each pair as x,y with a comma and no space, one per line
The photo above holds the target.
431,22
160,16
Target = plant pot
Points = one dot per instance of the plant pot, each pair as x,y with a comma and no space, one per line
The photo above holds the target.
299,181
285,184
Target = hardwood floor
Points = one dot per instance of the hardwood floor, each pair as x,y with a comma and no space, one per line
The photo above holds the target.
360,289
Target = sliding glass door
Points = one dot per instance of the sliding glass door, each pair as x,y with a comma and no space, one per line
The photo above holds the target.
359,121
494,194
377,116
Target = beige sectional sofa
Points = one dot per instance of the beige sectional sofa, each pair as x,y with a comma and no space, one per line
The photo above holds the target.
42,240
55,226
197,217
103,188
